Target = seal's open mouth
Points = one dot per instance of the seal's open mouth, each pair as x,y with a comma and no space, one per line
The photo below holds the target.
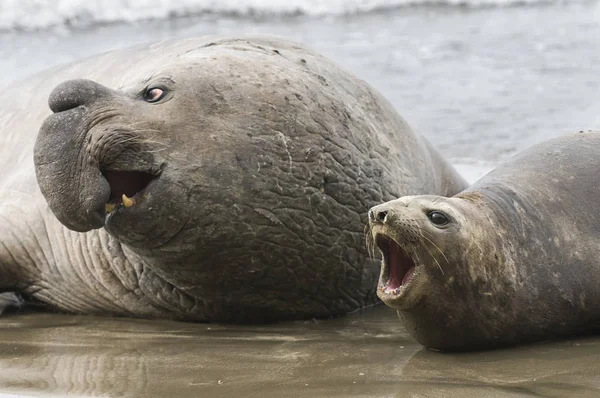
399,267
125,186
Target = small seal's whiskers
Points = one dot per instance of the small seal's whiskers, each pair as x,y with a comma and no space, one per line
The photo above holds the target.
434,259
436,246
422,235
370,242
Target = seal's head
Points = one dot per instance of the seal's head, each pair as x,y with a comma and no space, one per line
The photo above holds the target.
419,238
98,154
445,268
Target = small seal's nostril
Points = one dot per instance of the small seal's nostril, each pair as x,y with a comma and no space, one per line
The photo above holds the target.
381,215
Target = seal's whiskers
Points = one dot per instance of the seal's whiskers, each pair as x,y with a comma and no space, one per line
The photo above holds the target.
422,235
434,259
437,247
370,242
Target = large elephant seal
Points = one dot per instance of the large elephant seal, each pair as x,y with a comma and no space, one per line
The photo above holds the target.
214,178
514,258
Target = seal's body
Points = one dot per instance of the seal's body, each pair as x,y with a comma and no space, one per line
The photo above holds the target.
514,258
209,179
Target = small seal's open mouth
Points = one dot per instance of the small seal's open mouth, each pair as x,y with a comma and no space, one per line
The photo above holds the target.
399,267
125,187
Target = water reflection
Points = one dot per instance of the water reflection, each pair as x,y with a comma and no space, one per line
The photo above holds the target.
365,354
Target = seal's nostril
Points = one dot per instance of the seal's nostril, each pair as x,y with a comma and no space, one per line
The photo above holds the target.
381,215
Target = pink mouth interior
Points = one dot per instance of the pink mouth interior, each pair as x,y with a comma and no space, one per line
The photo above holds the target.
400,267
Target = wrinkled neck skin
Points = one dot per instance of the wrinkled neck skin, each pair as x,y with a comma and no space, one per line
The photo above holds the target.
502,286
78,272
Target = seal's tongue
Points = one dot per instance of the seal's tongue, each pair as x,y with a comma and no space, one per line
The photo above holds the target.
401,267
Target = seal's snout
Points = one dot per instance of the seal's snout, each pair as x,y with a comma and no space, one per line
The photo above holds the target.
73,185
74,93
379,214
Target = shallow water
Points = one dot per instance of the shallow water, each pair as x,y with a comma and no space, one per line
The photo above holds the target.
362,355
481,83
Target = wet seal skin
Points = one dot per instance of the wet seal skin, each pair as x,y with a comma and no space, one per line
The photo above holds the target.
208,179
514,258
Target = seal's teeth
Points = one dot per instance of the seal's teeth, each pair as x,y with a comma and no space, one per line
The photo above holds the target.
109,207
127,202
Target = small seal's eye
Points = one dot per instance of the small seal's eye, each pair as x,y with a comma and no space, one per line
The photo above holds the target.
154,94
438,218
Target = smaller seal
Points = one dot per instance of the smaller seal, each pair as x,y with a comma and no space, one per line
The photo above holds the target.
514,258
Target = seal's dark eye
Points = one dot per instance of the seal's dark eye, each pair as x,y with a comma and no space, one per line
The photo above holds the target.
154,94
438,218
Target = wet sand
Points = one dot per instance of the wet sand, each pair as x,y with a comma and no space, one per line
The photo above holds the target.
367,354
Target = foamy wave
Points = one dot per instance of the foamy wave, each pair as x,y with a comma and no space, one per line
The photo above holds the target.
40,14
